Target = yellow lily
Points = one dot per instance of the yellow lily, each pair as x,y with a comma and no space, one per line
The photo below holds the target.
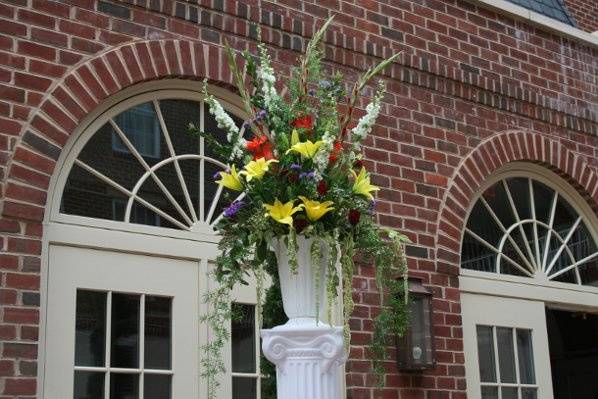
362,184
231,180
307,149
315,209
257,169
294,137
282,213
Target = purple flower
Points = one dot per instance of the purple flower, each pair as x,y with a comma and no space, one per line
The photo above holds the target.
261,115
233,208
308,175
371,207
216,175
296,166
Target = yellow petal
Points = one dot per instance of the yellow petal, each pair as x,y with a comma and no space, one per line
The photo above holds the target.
294,137
316,209
231,180
282,213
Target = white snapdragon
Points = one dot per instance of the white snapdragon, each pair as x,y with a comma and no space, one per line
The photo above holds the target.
225,122
265,73
366,122
321,158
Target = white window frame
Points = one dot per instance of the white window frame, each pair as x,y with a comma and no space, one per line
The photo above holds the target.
199,244
535,18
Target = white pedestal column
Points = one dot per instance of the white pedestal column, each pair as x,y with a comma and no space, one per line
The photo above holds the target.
307,359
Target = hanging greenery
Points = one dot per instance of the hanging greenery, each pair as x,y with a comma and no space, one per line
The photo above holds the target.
297,166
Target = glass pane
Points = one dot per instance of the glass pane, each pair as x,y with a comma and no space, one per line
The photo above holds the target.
90,333
141,126
509,393
543,201
156,386
506,354
86,195
244,388
125,331
124,386
525,352
158,322
88,385
519,189
486,354
476,256
529,393
243,339
497,198
489,393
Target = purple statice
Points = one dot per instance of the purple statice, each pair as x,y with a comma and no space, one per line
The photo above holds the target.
371,207
233,208
307,175
261,116
216,175
296,166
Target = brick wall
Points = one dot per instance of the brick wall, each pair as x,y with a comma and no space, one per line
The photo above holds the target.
585,13
473,91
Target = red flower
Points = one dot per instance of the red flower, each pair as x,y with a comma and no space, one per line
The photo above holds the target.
354,216
358,164
322,188
303,122
260,147
299,224
336,150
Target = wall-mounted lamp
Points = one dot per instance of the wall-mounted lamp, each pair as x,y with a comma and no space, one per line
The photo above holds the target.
415,349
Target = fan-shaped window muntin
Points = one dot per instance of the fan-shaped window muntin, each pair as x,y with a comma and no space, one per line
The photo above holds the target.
526,227
157,176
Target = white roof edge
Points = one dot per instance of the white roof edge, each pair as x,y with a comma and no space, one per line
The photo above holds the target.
553,25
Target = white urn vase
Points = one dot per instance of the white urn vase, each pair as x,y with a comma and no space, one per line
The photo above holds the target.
302,290
307,352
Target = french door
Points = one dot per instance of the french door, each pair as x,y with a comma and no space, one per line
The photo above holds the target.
506,348
121,326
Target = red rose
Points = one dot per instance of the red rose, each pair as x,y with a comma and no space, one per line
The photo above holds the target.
322,188
299,224
354,216
260,147
332,158
303,122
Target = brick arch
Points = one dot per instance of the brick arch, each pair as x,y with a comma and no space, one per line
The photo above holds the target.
490,155
79,92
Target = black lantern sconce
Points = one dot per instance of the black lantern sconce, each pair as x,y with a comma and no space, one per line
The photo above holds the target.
415,349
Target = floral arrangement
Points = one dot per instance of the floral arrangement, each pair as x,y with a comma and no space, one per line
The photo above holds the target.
295,167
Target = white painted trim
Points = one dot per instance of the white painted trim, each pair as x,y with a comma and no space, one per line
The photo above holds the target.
552,25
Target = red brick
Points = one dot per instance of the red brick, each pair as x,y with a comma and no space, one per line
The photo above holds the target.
21,315
22,281
21,386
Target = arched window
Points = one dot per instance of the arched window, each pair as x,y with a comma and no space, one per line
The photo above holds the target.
525,227
142,166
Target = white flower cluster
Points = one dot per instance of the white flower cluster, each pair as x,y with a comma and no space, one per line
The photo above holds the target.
364,126
321,158
265,73
225,122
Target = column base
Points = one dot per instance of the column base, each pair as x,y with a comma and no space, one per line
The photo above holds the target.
307,358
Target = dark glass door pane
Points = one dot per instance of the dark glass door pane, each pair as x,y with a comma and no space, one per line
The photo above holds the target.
125,331
243,339
489,393
509,393
506,355
158,321
244,388
527,374
157,386
89,385
90,330
486,354
124,386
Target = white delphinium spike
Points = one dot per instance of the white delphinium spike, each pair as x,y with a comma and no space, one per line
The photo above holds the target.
265,73
366,122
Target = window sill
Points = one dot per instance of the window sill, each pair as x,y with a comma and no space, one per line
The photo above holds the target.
552,25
